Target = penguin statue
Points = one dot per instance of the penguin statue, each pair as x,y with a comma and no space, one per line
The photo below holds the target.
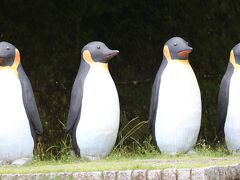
228,114
94,113
175,109
19,118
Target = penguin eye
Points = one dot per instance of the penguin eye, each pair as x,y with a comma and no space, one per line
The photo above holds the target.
98,47
175,44
7,48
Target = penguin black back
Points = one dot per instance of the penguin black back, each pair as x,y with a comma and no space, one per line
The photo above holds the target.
223,97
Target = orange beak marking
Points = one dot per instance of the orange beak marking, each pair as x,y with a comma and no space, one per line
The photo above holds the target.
184,53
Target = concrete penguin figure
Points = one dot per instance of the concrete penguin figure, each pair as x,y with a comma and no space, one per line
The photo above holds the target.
228,114
175,109
94,113
19,118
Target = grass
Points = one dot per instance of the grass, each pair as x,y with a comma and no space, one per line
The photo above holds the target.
124,156
124,160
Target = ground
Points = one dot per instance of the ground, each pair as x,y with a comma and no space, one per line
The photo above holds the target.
119,161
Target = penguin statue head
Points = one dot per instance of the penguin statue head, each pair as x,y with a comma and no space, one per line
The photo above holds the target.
97,52
235,54
8,54
176,48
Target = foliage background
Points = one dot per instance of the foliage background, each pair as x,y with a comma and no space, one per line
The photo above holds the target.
50,35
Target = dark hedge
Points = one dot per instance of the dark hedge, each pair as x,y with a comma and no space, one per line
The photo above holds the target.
51,34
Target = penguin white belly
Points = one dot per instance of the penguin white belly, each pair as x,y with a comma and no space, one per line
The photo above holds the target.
15,135
99,122
232,124
179,109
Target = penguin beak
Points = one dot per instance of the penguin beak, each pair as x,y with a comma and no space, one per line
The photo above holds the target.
185,53
110,55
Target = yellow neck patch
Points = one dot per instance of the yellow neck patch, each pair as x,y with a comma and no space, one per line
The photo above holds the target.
15,63
88,59
233,61
167,54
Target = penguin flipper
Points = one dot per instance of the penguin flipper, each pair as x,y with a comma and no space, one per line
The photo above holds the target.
154,99
76,104
29,103
223,99
74,112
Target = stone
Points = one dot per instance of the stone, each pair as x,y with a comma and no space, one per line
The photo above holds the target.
184,174
124,175
154,175
198,174
231,172
169,174
211,173
51,176
22,161
222,174
62,176
208,173
8,177
24,177
139,175
68,176
87,175
237,167
42,176
33,176
109,175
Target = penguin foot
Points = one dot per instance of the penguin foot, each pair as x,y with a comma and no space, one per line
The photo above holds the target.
21,162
